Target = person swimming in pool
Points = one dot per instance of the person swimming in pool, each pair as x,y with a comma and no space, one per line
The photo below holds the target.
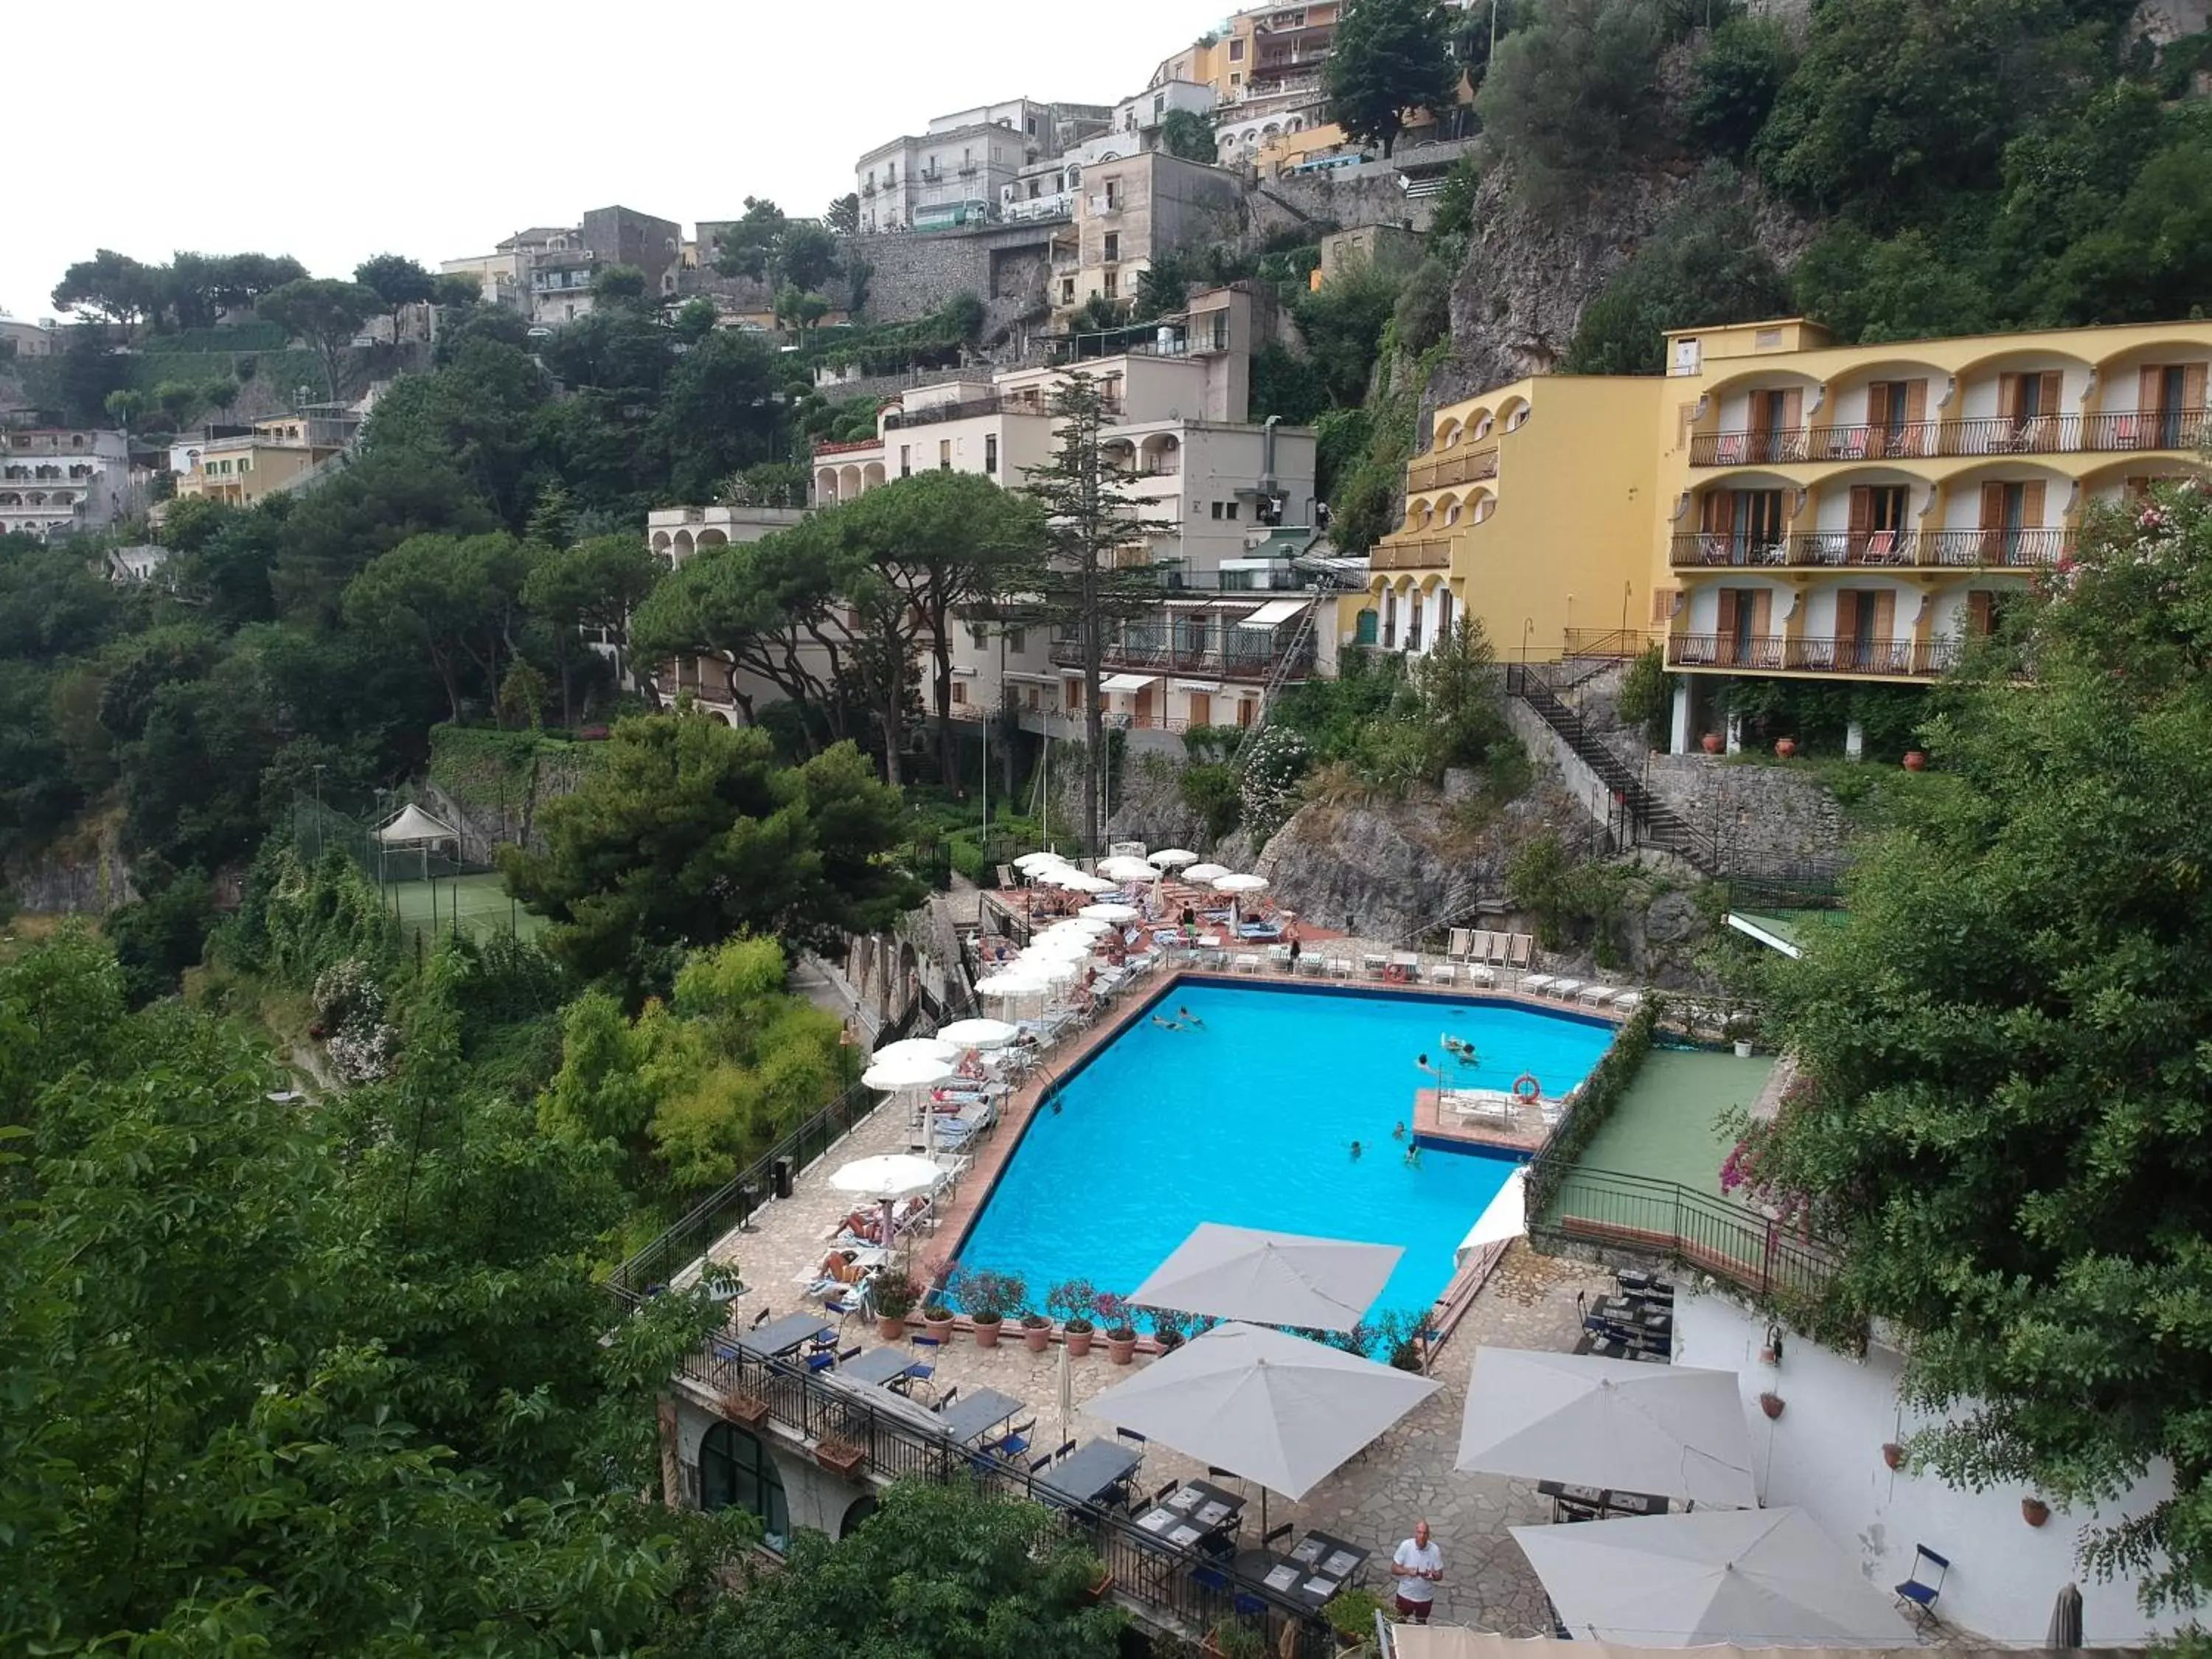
1167,1025
1413,1156
1398,1132
1190,1019
1355,1151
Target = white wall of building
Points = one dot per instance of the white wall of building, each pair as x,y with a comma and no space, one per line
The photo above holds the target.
1823,1455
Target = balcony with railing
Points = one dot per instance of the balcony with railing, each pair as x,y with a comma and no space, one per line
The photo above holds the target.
824,446
1990,548
1229,653
1981,437
1890,658
902,420
1452,466
1426,553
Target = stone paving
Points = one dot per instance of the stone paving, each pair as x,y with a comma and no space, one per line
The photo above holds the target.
1373,1500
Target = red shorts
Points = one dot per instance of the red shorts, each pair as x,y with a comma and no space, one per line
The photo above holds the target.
1417,1611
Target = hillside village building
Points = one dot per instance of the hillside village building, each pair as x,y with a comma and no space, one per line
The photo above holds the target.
1779,505
63,481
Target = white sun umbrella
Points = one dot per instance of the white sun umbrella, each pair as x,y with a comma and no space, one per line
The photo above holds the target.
1075,882
1052,970
1277,1409
979,1033
1125,868
1751,1577
1012,984
1203,873
905,1071
1507,1217
1672,1429
1069,947
1029,863
1270,1279
885,1179
1078,926
1235,883
1109,913
915,1048
1171,858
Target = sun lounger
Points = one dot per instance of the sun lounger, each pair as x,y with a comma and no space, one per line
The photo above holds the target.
1479,974
1495,1105
1565,989
1536,984
1519,947
1373,963
1597,995
1461,945
1246,962
1480,947
1628,1001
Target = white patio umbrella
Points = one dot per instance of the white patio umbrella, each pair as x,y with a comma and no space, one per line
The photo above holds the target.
979,1033
1011,983
1755,1577
1109,913
915,1048
1077,926
1063,1386
1237,886
1672,1430
1125,868
1060,947
905,1071
1506,1217
1029,863
1075,882
1052,970
1277,1409
1270,1279
1203,873
1171,858
885,1179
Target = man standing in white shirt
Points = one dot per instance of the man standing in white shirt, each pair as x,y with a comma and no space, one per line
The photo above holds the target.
1417,1565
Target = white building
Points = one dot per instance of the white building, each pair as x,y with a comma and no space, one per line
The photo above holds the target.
63,481
958,170
1215,493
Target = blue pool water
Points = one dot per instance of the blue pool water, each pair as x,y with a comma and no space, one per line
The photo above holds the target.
1250,1121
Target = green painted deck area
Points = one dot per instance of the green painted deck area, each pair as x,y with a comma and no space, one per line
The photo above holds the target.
1664,1128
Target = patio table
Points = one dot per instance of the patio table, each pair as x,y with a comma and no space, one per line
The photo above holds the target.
1287,1580
1090,1471
879,1366
972,1415
1605,1502
1326,1556
780,1336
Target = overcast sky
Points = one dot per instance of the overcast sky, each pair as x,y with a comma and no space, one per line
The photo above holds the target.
332,133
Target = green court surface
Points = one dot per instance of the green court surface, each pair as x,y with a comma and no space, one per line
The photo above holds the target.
475,904
1664,1126
1797,927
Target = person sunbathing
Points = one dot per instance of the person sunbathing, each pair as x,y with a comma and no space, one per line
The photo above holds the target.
841,1266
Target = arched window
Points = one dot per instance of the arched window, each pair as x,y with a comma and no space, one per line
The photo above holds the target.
1444,615
857,1511
1363,627
736,1472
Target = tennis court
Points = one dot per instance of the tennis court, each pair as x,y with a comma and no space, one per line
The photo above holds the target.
477,904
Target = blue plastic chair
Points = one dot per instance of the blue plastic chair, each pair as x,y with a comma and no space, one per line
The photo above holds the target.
1918,1593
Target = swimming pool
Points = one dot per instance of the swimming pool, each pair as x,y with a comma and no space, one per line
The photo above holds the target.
1250,1120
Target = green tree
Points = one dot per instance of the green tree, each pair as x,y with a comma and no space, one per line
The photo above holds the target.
455,598
113,287
891,1590
750,246
806,257
1092,515
2000,1124
1868,290
843,218
1573,99
324,312
623,285
474,416
1388,57
1187,133
595,583
688,831
456,291
1737,78
399,281
125,405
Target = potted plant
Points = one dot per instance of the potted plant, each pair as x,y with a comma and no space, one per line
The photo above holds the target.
1914,760
1036,1330
2034,1511
988,1297
895,1294
1785,747
1714,742
1350,1614
1073,1301
1230,1640
1170,1330
841,1457
1120,1334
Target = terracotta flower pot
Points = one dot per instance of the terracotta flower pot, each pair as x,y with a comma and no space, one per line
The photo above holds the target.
940,1329
986,1332
1038,1337
1079,1343
2034,1511
1915,761
891,1327
1770,1404
1894,1454
1122,1349
840,1459
1714,742
1785,747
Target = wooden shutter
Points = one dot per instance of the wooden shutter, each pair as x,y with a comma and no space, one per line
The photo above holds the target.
1916,418
2030,519
2008,397
1720,510
2150,380
1878,405
2192,386
1847,625
1993,506
1762,621
1862,512
1979,615
1201,709
1726,653
2048,393
1793,412
1662,605
1885,617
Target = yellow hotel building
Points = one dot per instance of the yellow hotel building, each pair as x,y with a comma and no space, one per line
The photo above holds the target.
1777,504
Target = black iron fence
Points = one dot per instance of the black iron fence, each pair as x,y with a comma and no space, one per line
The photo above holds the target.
1767,1256
1189,1586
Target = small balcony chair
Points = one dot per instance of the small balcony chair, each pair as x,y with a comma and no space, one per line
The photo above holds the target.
1917,1592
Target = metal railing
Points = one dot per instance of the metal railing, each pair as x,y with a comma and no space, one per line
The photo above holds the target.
896,1447
1901,658
1428,553
1646,820
1450,467
1977,548
2178,429
1165,655
1763,1254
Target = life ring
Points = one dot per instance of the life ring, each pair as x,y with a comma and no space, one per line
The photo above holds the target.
1530,1095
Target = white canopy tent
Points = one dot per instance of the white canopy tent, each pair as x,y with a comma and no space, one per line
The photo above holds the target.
413,829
